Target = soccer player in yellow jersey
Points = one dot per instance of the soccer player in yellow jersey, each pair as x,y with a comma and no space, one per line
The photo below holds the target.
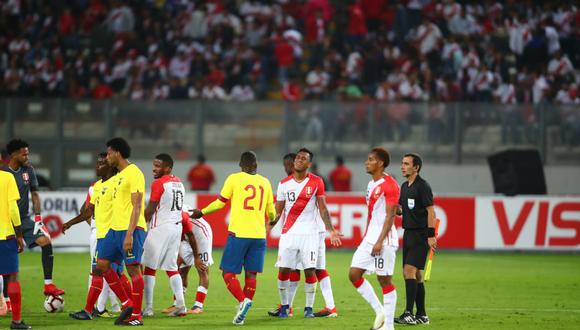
251,201
124,240
10,245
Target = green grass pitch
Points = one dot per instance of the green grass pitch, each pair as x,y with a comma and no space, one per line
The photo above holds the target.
467,291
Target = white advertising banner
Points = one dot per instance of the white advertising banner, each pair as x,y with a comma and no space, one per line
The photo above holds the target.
59,207
527,223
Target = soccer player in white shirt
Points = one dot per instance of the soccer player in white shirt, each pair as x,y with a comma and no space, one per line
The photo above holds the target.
300,197
376,253
161,248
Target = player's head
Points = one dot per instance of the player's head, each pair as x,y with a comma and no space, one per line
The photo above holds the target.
288,162
303,160
117,149
378,159
339,160
411,164
201,158
18,151
248,162
162,165
102,167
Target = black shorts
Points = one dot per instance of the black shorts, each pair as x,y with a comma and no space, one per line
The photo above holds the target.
415,247
28,230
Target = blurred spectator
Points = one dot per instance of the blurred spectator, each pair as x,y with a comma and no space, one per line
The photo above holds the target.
341,176
462,24
4,157
242,93
316,81
201,175
121,18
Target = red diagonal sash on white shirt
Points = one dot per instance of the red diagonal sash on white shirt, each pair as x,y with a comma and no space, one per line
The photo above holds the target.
299,205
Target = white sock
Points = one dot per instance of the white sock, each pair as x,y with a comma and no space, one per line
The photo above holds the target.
149,289
177,286
283,290
292,288
367,292
326,289
46,282
390,303
2,286
202,290
90,281
113,301
310,290
102,301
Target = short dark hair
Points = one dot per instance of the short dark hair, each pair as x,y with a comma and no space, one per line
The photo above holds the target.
201,158
15,145
289,156
121,145
308,152
102,155
339,159
166,159
248,158
417,161
383,155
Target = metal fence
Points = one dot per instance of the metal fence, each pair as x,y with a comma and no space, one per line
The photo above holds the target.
66,133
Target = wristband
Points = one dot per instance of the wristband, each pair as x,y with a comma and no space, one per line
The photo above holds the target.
430,232
37,218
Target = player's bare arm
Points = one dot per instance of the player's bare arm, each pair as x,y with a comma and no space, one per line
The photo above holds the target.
387,225
136,199
35,202
431,224
334,234
214,206
87,211
193,244
150,210
279,209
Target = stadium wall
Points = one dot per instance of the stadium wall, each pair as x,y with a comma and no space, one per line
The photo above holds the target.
467,222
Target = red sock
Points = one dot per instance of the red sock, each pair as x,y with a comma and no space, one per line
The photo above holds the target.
250,288
295,276
200,297
126,285
149,271
15,295
94,292
321,274
234,286
138,286
170,273
115,284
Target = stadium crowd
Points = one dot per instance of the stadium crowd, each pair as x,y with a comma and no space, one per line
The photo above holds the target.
510,52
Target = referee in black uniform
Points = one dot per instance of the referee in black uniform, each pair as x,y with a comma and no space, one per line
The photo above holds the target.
416,200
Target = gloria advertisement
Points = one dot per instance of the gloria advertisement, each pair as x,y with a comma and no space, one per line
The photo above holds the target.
471,222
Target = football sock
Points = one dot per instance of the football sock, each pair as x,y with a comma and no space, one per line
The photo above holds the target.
15,295
310,290
47,262
250,288
115,284
389,303
200,296
420,299
366,291
177,286
326,288
411,290
103,297
94,292
138,285
126,284
233,286
149,278
293,286
283,281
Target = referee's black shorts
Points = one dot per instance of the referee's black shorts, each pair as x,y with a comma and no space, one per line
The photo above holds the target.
415,247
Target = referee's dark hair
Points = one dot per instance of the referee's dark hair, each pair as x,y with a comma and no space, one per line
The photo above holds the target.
308,152
383,155
121,145
15,145
417,161
165,158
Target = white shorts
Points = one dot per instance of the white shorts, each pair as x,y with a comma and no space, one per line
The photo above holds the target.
295,250
204,247
321,260
162,246
382,265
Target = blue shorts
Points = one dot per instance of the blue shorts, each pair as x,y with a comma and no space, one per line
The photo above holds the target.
8,256
117,267
111,248
247,252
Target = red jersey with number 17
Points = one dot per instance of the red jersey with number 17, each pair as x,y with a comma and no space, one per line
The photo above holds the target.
300,204
169,192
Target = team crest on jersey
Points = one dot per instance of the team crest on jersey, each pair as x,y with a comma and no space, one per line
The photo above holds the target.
308,191
377,192
25,177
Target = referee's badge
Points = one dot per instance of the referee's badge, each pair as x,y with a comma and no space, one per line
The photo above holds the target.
25,177
411,203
